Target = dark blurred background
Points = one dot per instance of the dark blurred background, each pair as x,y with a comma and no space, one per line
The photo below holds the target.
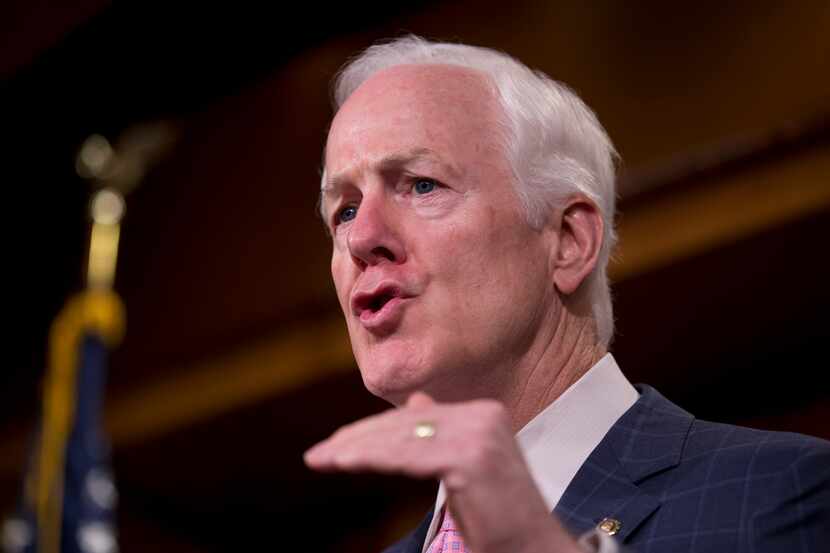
236,361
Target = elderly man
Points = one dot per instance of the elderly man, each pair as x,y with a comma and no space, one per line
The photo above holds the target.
470,203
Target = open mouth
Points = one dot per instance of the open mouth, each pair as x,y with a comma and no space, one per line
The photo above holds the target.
375,301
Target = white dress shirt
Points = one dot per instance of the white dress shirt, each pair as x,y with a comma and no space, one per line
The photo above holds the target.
558,440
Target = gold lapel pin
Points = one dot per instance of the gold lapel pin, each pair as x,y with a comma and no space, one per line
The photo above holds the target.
610,526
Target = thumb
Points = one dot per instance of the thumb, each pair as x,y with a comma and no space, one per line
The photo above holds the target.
419,399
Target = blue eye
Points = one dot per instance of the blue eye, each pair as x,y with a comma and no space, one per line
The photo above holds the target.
424,186
346,214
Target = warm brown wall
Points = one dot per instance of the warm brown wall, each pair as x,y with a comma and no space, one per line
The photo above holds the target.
235,360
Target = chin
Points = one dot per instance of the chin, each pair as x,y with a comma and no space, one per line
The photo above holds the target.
392,380
390,387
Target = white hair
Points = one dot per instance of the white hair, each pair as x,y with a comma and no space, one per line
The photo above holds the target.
554,143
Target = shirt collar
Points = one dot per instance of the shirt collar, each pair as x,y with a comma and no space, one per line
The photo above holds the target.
557,441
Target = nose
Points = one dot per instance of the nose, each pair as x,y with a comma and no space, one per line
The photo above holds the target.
373,236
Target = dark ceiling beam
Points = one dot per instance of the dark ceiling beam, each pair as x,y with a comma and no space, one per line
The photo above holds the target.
653,234
728,155
727,206
28,28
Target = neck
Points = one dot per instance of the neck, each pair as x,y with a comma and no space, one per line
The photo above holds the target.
565,353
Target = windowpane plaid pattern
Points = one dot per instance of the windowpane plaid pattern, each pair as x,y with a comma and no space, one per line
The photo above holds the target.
681,485
448,539
678,484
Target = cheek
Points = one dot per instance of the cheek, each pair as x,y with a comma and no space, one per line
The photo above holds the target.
496,261
339,276
484,247
462,266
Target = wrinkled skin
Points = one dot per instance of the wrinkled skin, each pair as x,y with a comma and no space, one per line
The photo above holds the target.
421,205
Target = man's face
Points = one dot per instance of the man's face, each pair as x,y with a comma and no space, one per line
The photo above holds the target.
443,284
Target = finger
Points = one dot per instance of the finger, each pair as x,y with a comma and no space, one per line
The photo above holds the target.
383,427
386,443
356,428
391,419
419,400
397,451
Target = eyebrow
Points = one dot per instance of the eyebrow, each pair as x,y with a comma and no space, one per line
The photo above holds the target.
330,185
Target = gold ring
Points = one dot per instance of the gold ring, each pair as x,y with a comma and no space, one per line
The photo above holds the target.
424,430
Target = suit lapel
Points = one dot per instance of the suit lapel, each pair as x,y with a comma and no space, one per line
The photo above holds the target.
646,440
413,542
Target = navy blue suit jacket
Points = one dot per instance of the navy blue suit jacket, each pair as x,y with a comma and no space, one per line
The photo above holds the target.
678,484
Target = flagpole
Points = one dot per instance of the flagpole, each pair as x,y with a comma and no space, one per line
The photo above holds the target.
107,209
68,487
96,311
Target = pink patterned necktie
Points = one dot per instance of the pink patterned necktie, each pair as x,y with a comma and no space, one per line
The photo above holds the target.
448,539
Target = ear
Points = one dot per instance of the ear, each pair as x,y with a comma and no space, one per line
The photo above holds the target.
580,239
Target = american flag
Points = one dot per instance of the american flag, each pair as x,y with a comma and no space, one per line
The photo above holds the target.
68,496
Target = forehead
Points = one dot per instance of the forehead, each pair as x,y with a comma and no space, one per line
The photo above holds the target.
442,108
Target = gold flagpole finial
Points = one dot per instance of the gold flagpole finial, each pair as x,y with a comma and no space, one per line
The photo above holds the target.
115,171
107,209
